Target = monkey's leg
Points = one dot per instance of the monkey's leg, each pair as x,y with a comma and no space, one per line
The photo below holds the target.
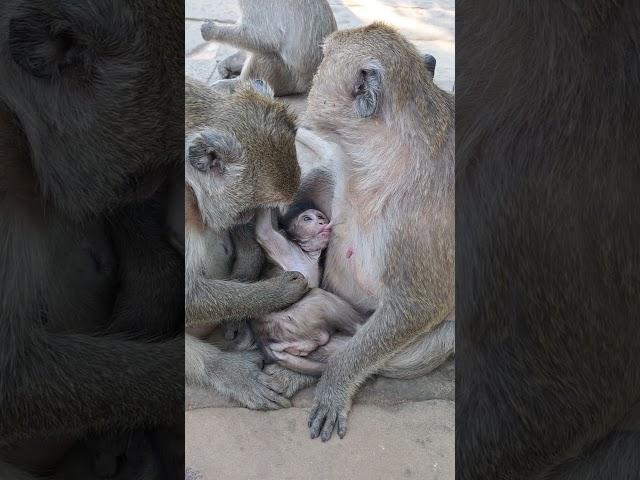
418,358
239,36
616,457
382,336
235,375
425,354
231,66
214,301
249,256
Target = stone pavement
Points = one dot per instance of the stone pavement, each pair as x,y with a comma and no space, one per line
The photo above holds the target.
397,429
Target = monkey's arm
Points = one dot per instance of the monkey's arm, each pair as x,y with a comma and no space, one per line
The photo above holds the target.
249,256
213,301
318,184
278,247
240,36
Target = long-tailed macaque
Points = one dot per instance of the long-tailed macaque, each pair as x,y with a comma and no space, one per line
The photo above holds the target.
391,254
239,156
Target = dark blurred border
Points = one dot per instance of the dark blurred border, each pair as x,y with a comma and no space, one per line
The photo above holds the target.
547,228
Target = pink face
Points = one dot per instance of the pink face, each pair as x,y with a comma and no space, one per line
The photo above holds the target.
311,230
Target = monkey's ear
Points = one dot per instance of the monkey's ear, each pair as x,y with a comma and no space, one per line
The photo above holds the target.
262,87
43,45
430,62
367,91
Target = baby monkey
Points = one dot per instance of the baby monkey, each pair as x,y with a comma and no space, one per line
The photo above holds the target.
308,235
303,327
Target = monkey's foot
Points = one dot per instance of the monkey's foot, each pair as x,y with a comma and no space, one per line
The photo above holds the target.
329,411
236,375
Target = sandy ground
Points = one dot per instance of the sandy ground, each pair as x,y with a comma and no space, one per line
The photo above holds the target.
397,429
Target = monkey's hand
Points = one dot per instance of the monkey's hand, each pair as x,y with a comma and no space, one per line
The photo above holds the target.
330,408
289,287
238,376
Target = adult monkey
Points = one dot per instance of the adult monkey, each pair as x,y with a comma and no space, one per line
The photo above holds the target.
547,371
239,155
89,137
391,252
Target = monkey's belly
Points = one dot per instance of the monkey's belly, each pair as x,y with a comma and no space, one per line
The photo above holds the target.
345,275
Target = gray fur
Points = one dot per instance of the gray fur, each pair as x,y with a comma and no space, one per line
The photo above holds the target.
262,171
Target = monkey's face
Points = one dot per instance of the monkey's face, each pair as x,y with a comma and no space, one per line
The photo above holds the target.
239,154
362,75
82,78
311,230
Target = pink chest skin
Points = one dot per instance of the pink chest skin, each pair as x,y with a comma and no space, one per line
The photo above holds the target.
349,252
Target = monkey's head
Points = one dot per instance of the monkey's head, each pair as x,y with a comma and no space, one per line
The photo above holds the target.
368,74
311,230
96,87
240,152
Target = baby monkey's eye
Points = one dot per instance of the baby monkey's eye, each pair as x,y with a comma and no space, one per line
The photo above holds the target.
307,218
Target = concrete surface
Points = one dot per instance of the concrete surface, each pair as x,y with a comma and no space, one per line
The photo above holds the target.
397,429
410,441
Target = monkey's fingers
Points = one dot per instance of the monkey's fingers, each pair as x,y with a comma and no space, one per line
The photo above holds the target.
270,391
317,417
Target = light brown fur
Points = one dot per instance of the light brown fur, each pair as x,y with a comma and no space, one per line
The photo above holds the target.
392,249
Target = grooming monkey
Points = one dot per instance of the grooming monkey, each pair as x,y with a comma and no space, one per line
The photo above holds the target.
391,254
283,39
81,223
239,156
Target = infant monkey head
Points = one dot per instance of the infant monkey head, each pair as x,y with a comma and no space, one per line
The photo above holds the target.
310,229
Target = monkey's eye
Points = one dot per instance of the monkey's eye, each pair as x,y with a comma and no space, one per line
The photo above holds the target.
307,218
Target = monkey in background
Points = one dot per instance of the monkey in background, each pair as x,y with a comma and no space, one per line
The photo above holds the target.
239,156
283,40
